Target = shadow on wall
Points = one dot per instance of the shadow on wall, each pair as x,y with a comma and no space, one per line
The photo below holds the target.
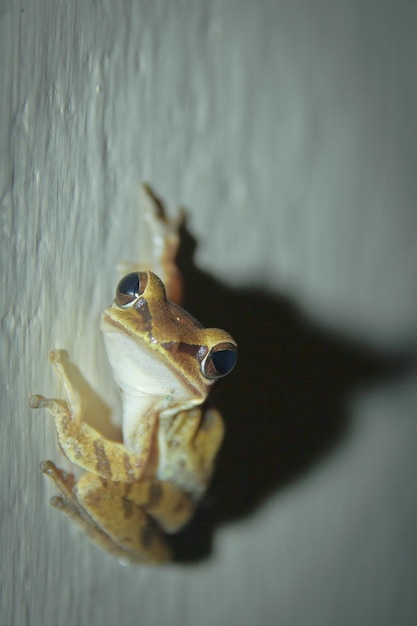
284,404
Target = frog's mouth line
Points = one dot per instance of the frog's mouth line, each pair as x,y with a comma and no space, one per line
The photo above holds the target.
165,351
196,351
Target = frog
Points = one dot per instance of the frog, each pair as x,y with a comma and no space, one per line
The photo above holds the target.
134,493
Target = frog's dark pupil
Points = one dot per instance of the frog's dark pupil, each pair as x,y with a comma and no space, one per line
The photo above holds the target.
129,285
224,361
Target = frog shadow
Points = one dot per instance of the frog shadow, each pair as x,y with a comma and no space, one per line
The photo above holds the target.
284,405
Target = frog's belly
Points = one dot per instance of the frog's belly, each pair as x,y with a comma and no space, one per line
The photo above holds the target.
145,381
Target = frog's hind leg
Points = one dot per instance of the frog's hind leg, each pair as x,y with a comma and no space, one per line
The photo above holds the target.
135,515
115,525
119,510
67,503
159,239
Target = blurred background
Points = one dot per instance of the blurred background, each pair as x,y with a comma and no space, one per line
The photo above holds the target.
288,132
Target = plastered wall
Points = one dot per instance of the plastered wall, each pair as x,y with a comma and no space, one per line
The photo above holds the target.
288,132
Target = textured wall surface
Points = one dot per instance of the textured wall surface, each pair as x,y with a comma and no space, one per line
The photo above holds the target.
288,131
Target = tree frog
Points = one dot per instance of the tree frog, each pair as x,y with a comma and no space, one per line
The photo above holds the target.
165,364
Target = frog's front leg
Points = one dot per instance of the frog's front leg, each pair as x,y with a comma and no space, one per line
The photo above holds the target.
83,445
189,442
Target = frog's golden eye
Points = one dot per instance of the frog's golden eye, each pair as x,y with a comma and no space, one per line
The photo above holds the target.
130,288
219,361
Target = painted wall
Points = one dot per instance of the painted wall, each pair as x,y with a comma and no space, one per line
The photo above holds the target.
288,131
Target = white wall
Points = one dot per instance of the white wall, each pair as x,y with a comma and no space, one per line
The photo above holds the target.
288,130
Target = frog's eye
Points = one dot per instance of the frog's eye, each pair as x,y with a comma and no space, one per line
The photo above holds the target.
130,288
220,360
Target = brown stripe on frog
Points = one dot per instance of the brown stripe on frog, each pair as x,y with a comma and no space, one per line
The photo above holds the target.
194,350
147,533
128,467
142,307
128,508
155,493
103,464
181,505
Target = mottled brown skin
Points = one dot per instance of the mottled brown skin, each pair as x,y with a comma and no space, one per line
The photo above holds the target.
132,493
